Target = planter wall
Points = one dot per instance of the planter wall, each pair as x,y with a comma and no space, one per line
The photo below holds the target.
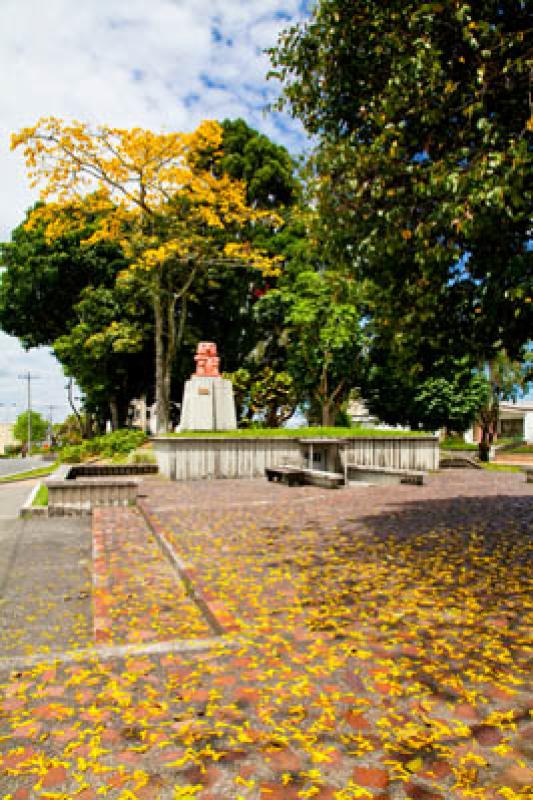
66,497
227,457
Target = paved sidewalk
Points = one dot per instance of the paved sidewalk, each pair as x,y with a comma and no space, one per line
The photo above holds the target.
378,645
45,586
12,498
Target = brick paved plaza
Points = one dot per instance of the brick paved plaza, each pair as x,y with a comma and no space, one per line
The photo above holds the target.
248,640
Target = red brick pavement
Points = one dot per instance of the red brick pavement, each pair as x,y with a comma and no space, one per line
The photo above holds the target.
137,595
378,647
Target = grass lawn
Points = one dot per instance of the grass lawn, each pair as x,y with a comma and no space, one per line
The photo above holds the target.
526,449
492,467
41,498
298,433
41,472
456,444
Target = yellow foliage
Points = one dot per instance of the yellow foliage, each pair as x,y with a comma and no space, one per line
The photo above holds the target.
147,191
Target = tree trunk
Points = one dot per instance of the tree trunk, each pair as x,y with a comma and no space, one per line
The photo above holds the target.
327,416
330,402
167,340
113,408
160,404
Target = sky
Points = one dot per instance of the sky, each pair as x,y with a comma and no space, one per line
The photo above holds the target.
159,64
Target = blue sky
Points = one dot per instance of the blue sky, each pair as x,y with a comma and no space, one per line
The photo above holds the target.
159,64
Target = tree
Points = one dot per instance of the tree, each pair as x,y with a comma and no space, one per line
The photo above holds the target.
60,293
422,114
39,427
221,308
317,316
42,279
263,395
266,168
155,198
451,398
107,349
506,380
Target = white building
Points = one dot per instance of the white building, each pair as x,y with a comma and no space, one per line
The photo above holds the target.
515,421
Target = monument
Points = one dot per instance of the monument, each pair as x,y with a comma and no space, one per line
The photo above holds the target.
208,402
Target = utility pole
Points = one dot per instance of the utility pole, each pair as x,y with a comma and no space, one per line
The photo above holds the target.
50,408
29,378
51,422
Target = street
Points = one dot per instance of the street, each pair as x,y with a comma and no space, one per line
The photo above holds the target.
9,466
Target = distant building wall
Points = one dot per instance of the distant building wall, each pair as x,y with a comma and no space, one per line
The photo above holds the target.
6,435
515,420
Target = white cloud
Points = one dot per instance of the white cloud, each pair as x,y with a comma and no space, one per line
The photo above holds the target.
160,64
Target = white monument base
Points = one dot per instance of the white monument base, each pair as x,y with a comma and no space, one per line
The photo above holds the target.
208,405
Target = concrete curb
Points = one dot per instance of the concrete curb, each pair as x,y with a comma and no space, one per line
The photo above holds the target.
217,617
120,651
28,509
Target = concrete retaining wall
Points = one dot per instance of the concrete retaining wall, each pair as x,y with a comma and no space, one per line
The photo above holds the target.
67,497
227,457
394,452
190,459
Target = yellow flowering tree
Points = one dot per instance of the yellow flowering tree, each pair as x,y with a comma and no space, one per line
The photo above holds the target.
152,193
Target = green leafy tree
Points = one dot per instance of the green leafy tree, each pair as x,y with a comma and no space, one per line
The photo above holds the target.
266,167
316,319
423,170
263,395
39,427
106,351
222,307
41,280
507,379
450,397
61,293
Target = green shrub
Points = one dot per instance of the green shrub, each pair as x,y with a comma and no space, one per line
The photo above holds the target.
117,443
142,457
12,449
71,454
121,441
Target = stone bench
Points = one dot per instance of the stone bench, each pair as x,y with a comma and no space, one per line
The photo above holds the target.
292,476
371,474
327,480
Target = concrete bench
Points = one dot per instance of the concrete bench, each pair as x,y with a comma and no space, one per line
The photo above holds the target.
292,476
327,480
371,474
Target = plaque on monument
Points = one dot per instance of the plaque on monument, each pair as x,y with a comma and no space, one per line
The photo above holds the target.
208,402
